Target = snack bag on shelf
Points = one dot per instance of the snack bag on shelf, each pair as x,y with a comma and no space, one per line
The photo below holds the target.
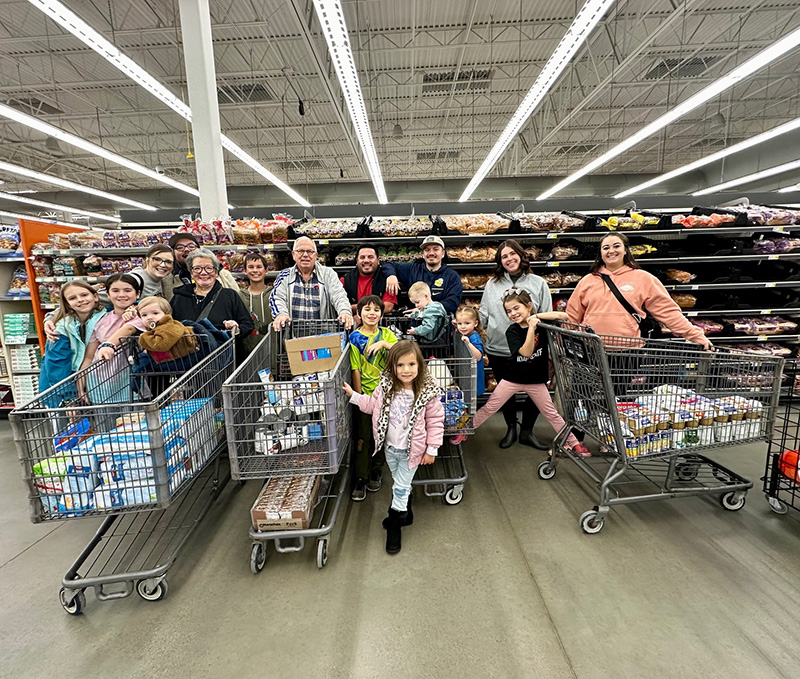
222,233
265,230
58,241
93,265
109,267
42,266
9,240
123,239
19,283
109,239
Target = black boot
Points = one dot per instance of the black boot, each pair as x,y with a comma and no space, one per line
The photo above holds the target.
526,438
409,512
510,438
394,523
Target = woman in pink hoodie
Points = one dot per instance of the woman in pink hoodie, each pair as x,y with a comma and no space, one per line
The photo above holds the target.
408,417
593,304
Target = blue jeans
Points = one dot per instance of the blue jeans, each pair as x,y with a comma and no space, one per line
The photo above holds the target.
401,475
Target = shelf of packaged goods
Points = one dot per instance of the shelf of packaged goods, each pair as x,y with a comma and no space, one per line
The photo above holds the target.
48,306
691,313
116,252
28,338
12,258
717,339
15,299
69,279
749,285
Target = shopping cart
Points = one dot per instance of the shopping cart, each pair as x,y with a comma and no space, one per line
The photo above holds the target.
130,440
440,347
654,406
457,377
281,427
782,476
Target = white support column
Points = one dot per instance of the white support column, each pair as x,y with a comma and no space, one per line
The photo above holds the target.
201,80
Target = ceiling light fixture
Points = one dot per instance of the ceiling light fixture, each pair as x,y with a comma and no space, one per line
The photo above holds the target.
65,184
769,172
766,56
741,146
78,142
331,19
585,21
15,215
86,34
53,206
790,189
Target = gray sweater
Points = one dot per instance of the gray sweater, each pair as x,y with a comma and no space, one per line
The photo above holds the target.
493,314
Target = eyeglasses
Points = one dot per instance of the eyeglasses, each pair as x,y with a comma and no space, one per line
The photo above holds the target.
162,262
203,269
310,253
185,248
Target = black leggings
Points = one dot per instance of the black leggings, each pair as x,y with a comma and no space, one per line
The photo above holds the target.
503,369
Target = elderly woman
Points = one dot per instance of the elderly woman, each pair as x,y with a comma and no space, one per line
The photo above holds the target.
206,298
512,270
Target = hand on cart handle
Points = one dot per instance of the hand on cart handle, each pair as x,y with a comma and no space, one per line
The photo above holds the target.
347,389
50,331
280,322
346,319
105,352
706,344
231,325
392,285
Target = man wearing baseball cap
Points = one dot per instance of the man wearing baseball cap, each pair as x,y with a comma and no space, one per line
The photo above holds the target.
444,282
183,245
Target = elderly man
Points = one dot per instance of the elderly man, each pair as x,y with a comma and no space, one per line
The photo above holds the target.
367,278
308,290
444,282
183,245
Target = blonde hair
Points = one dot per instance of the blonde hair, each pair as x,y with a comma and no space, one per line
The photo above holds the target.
473,312
64,309
160,301
419,288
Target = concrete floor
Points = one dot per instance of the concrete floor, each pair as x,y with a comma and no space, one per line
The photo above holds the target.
503,585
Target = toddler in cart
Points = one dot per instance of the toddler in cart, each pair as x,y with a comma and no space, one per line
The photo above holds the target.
528,345
432,315
468,324
407,423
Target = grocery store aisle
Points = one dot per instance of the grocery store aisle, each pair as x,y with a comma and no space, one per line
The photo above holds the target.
503,585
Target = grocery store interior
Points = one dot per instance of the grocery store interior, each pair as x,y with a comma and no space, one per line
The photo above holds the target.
245,124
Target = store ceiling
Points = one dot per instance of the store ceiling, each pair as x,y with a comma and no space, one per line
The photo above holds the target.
450,74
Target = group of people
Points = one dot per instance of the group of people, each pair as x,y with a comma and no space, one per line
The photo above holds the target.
401,418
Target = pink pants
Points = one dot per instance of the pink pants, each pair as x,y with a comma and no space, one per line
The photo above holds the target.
539,395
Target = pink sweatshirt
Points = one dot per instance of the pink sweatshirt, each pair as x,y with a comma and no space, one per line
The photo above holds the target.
593,304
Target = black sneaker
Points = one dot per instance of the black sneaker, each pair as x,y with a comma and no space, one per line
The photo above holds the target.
359,493
375,482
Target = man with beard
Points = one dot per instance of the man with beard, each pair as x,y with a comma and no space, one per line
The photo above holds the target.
444,282
367,278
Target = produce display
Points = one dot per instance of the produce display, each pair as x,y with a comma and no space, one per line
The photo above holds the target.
549,221
476,224
393,226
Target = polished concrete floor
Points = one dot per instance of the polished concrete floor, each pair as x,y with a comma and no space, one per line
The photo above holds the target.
503,585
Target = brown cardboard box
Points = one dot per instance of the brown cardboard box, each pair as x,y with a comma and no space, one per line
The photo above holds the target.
272,495
314,354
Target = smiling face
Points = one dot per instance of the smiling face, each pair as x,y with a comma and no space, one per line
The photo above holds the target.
517,311
150,315
160,264
465,323
612,250
367,261
371,314
80,300
255,271
203,272
433,254
122,295
510,260
304,254
407,369
183,248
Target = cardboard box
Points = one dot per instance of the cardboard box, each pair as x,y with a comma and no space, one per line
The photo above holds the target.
314,354
269,513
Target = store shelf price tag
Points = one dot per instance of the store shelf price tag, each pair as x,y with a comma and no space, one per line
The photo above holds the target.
763,338
779,229
269,246
766,312
771,285
323,241
553,263
552,235
695,287
773,257
691,314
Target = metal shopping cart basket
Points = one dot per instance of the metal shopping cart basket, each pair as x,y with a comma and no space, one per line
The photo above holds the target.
654,406
132,441
282,427
782,475
457,376
439,347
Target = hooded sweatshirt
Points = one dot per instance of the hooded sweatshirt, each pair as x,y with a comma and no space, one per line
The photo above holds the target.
258,306
593,304
493,314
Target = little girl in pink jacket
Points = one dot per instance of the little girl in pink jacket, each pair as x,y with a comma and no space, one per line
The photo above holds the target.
408,421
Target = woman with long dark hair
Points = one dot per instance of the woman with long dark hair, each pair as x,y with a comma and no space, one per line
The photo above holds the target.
512,269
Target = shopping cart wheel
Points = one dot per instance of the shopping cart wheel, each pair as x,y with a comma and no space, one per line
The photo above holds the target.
589,522
546,471
156,594
258,557
777,506
730,502
453,496
322,552
73,601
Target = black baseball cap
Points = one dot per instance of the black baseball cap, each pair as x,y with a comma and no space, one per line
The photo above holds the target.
175,237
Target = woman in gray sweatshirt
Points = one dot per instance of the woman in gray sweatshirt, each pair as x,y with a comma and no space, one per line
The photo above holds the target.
512,270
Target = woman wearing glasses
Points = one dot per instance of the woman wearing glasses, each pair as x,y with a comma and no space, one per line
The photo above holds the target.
205,297
158,264
183,245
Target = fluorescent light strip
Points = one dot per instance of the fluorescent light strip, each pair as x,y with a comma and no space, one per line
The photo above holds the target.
331,19
741,146
767,56
65,184
790,189
67,138
81,30
15,215
769,172
585,21
53,206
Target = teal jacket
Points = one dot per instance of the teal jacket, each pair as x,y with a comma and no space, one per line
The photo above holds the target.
70,326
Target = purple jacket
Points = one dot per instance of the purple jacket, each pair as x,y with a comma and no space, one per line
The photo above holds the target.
426,424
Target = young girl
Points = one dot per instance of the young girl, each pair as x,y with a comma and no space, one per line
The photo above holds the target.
408,417
79,311
468,324
528,345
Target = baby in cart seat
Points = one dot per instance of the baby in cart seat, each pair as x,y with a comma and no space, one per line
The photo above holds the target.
432,315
